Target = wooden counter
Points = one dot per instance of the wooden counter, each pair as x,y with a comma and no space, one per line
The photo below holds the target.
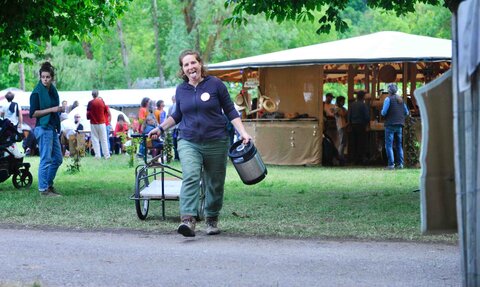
285,141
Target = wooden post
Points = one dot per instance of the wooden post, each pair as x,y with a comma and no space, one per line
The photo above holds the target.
404,80
350,81
413,84
367,80
374,79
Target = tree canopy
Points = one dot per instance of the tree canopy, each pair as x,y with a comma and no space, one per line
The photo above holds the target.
24,22
94,60
330,11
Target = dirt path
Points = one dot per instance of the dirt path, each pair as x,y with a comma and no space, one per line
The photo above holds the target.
65,258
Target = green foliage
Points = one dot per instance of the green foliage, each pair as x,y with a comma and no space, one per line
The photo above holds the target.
131,148
301,10
23,24
412,146
104,70
433,21
336,89
7,79
73,166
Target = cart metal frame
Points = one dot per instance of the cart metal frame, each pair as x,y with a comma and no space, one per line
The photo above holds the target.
155,180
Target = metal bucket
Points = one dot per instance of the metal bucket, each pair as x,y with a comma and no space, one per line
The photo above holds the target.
247,162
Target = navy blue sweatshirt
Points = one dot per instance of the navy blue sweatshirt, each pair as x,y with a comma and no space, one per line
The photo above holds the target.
199,110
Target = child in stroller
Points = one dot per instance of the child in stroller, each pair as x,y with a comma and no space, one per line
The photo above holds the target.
11,160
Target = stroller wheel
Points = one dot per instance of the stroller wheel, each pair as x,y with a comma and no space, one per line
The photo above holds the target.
22,179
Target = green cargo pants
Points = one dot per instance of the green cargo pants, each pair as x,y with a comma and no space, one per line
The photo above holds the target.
212,155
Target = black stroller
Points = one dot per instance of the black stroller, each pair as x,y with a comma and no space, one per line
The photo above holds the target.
9,164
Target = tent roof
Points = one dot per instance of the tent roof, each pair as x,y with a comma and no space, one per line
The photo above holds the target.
373,48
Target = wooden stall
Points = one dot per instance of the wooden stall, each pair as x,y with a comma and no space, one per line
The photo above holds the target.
290,87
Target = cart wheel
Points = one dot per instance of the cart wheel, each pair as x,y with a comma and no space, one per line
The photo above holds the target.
22,179
141,204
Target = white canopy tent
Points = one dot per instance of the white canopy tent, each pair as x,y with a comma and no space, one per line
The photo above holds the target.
82,111
384,46
113,98
294,79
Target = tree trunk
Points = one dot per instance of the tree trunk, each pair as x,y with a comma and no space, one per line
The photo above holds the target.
124,53
161,77
21,72
191,21
189,15
87,49
212,39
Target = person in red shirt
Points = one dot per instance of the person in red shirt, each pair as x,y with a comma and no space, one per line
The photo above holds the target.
96,110
121,130
108,126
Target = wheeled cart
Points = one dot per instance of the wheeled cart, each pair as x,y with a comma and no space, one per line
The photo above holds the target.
155,180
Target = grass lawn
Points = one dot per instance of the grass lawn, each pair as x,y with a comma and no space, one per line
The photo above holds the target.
291,202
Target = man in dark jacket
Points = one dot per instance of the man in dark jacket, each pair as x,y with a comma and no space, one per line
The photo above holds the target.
394,110
359,118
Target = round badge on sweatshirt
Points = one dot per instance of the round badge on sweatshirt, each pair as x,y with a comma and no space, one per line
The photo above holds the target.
205,97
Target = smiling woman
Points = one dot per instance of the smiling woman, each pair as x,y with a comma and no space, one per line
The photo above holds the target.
203,106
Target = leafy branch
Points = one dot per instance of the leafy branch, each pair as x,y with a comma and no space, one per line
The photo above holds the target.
302,10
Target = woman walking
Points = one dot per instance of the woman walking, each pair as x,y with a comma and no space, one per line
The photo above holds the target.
201,102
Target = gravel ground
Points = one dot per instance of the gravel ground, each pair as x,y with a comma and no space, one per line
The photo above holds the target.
73,258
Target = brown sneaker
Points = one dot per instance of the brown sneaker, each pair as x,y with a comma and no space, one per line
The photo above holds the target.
48,193
212,228
187,227
52,190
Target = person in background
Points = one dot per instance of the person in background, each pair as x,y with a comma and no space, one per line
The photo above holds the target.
202,101
328,107
65,105
78,122
108,129
359,119
340,113
394,111
150,124
143,112
142,116
135,125
96,110
45,107
160,114
66,129
329,125
171,110
67,110
74,105
13,113
121,130
29,143
74,139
